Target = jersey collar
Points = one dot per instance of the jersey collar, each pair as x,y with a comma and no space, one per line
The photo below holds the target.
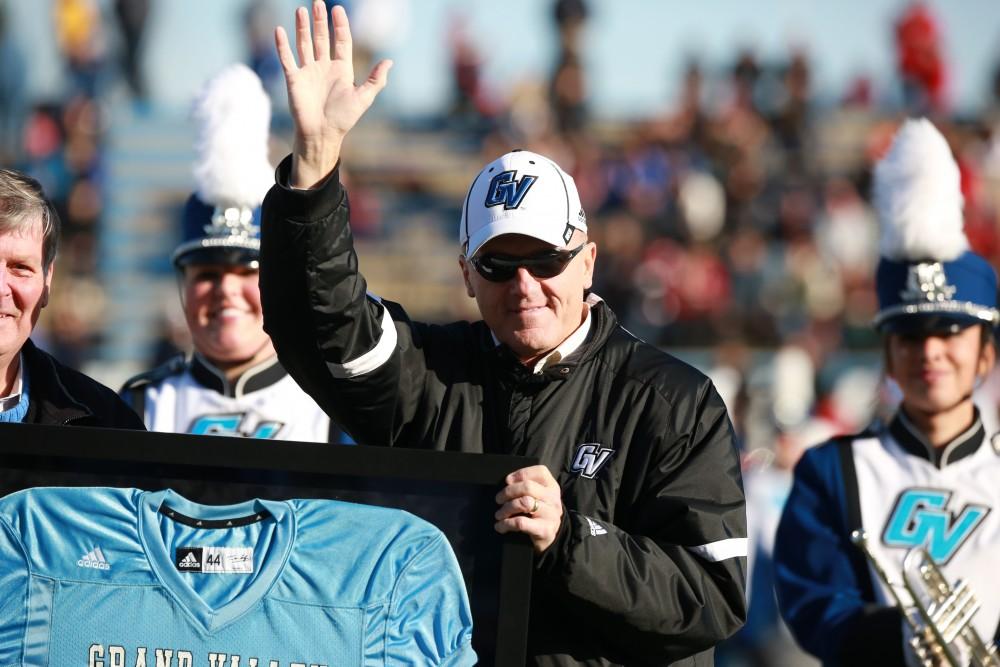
255,378
271,552
912,440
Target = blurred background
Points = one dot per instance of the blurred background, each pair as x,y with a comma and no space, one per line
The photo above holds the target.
722,149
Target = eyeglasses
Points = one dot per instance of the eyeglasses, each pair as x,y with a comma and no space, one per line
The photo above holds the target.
501,268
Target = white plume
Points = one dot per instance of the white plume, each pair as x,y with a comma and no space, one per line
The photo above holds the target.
233,114
918,196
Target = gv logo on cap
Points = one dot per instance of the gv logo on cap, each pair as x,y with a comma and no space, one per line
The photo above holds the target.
504,189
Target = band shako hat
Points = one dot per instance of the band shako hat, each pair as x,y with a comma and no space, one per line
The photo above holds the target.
521,193
221,220
927,279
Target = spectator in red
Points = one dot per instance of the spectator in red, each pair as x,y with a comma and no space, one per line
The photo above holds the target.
918,53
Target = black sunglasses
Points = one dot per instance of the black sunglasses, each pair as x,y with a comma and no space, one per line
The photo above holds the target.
548,264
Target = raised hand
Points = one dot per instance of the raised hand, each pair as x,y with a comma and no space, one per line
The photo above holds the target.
322,97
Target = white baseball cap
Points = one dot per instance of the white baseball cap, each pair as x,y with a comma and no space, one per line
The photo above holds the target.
521,193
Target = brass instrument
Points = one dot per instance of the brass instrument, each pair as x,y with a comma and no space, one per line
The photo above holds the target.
940,614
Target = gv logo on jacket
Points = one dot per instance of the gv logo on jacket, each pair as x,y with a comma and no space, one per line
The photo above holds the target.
590,458
921,518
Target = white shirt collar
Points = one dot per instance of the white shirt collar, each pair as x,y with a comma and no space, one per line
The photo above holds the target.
8,402
568,346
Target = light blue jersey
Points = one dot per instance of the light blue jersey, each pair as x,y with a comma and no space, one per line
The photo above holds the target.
126,578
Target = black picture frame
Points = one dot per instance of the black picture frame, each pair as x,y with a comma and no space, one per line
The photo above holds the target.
452,490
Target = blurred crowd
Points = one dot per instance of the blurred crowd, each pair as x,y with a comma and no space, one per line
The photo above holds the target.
739,216
734,226
61,143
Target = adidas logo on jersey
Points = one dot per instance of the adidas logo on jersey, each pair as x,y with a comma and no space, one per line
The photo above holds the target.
595,528
94,559
189,562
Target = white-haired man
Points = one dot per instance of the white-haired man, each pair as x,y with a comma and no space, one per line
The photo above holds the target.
636,512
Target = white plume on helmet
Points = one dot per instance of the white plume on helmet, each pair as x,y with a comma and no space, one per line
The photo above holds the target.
918,196
233,114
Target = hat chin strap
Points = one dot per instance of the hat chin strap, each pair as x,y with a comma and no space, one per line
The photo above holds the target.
229,367
233,370
953,406
980,379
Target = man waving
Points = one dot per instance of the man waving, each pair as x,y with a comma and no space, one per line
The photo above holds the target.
636,512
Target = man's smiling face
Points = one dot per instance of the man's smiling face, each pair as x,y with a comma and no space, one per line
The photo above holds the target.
532,315
24,287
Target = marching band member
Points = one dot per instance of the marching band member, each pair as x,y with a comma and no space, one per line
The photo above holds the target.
926,479
233,383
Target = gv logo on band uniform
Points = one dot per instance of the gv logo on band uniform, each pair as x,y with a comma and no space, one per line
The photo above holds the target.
921,518
237,424
507,191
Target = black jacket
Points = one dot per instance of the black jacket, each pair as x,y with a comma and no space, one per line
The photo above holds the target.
60,395
648,566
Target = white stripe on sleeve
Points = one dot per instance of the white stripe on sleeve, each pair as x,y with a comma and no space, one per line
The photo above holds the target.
721,550
375,357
